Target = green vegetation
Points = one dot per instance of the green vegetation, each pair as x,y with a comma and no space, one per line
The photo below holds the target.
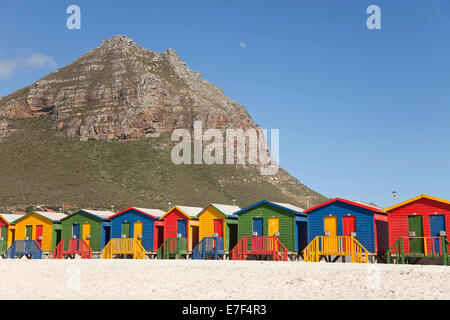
38,167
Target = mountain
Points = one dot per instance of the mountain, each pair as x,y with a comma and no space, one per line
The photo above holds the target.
97,132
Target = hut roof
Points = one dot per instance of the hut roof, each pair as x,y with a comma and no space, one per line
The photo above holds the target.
224,209
103,215
154,213
284,206
11,217
355,203
53,216
422,196
190,212
290,206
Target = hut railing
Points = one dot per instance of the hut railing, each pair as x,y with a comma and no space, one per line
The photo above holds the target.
335,246
446,251
28,248
418,247
260,245
209,246
172,246
239,252
72,246
123,246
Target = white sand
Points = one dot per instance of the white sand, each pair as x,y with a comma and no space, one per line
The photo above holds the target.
170,279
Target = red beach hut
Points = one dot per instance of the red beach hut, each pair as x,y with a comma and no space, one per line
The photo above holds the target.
419,227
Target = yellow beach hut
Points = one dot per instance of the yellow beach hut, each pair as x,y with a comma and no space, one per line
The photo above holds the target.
43,227
219,220
7,230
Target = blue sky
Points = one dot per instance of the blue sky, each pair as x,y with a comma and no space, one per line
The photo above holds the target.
361,112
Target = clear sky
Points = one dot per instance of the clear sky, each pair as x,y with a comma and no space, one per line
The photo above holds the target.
361,112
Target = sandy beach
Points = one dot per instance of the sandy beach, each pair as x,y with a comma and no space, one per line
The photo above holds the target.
180,279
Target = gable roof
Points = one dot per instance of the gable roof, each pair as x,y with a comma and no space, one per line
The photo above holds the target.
189,212
290,206
97,214
157,213
354,203
11,217
154,213
224,209
51,216
284,206
422,196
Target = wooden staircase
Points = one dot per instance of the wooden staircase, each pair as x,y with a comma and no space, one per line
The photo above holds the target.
260,245
419,247
68,248
323,246
209,246
27,248
118,247
173,247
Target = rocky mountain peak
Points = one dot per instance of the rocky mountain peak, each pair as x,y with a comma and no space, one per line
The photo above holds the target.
119,40
121,90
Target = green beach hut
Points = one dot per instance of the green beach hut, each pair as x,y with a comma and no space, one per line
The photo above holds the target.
93,226
282,220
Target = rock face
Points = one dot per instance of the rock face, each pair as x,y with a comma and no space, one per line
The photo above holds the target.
123,91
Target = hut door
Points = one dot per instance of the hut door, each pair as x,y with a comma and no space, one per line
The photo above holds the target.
218,227
138,231
107,233
76,231
195,236
437,224
13,235
415,225
86,232
58,236
39,235
274,226
4,232
126,230
28,232
181,227
258,226
348,225
302,235
159,236
232,236
330,225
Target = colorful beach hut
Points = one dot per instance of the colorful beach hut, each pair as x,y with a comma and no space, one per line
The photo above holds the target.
218,220
334,225
42,227
93,226
418,228
270,228
7,231
142,224
182,222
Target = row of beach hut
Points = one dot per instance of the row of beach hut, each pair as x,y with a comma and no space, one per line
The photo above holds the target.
408,232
